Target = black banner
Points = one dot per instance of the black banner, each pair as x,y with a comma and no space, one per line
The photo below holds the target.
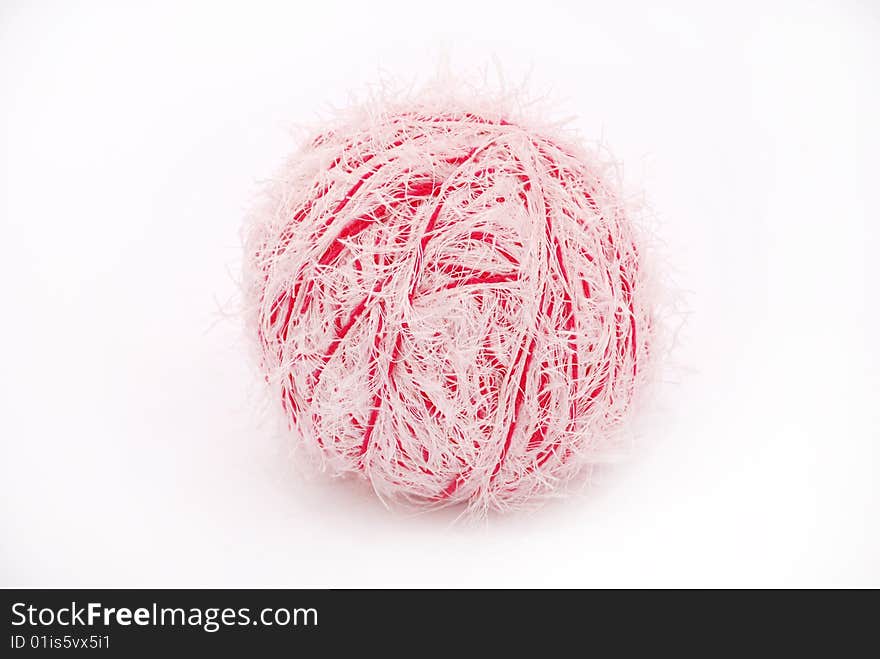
415,622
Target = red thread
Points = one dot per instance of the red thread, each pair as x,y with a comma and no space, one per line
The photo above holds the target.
401,298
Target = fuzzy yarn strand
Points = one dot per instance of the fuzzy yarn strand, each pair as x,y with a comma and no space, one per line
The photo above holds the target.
449,303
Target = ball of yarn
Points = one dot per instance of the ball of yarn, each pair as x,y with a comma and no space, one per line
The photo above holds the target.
448,303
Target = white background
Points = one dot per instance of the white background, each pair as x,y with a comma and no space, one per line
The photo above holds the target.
133,138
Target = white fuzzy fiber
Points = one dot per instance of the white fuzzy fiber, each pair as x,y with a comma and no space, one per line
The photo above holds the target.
450,301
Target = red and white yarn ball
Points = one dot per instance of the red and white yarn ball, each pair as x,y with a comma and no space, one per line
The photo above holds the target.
449,303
